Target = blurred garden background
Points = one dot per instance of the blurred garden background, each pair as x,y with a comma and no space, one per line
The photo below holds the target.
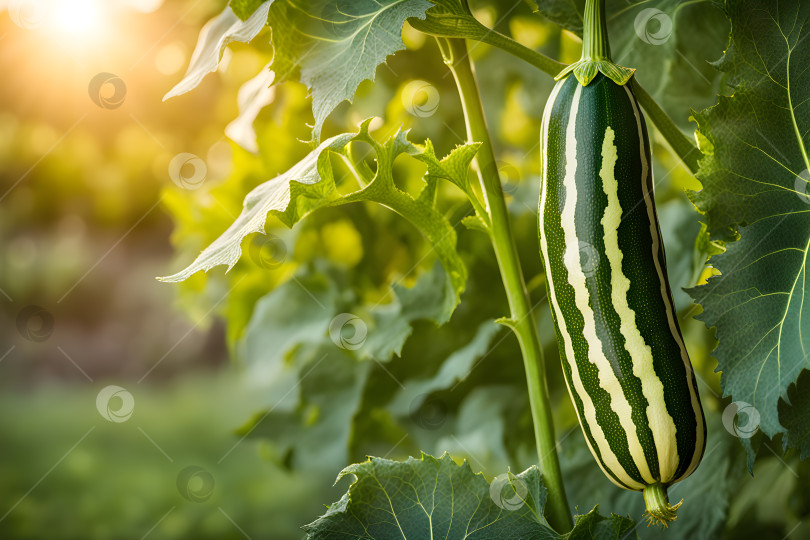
218,435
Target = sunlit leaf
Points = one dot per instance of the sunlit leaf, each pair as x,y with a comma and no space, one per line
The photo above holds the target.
437,498
214,37
334,45
253,96
272,196
311,184
755,176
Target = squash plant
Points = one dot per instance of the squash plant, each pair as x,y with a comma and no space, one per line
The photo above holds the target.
355,350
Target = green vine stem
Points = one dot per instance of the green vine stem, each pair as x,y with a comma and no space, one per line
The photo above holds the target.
467,27
521,320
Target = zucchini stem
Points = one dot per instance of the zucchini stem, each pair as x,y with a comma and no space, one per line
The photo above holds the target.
659,511
596,50
595,44
521,319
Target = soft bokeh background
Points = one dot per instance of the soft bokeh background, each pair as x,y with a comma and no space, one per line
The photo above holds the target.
87,210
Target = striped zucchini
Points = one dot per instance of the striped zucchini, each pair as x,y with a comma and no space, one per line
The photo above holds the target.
624,360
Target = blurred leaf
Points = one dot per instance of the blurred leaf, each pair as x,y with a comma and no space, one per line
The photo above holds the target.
669,42
245,8
566,13
454,369
334,45
450,18
431,298
763,506
752,177
314,433
254,95
293,346
214,37
297,312
480,428
436,498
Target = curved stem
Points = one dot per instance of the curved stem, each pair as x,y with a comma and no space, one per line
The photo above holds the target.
521,320
682,145
538,60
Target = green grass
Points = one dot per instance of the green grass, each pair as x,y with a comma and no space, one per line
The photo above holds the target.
116,483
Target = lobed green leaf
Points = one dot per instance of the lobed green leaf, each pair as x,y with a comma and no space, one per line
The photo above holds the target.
438,498
755,180
334,45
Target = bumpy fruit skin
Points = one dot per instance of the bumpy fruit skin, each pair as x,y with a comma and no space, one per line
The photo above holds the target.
623,356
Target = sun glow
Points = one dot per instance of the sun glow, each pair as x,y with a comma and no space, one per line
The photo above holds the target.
81,19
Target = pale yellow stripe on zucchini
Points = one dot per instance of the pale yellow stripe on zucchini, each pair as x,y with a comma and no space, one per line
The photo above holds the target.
660,422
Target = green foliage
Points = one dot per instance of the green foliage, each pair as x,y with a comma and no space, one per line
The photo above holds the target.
453,370
437,498
293,342
411,386
334,46
756,141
